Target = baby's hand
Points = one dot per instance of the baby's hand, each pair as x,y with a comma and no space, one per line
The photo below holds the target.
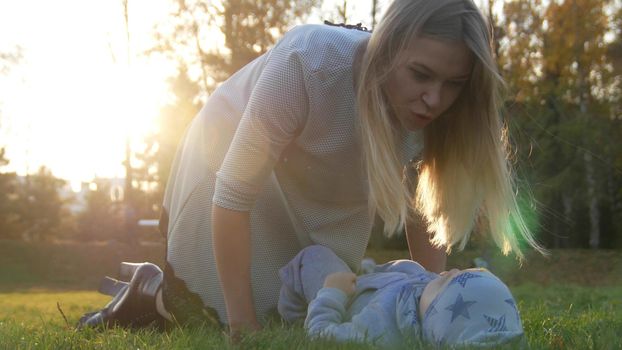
346,281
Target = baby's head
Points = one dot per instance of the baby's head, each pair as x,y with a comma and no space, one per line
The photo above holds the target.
470,307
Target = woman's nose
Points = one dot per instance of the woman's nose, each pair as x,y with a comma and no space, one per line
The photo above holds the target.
432,96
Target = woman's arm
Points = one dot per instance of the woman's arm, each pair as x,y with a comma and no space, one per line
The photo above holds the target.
421,250
232,250
277,109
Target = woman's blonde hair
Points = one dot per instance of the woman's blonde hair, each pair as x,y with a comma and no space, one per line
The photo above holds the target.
464,172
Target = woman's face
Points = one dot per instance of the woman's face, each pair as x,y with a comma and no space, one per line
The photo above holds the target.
427,80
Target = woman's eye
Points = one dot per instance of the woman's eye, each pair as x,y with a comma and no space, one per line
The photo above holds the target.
457,83
420,75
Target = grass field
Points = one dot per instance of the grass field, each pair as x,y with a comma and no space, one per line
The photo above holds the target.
572,300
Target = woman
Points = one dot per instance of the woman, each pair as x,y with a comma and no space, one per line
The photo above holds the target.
303,145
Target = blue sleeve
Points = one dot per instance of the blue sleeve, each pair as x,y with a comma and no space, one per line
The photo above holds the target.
326,317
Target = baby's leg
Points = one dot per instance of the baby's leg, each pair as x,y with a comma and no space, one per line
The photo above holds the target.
303,277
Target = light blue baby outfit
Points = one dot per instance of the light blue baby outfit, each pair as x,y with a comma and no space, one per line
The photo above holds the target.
384,307
369,315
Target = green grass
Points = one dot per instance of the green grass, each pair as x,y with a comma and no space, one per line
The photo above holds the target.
572,300
558,317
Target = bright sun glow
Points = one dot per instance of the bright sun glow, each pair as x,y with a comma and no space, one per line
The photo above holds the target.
77,95
80,90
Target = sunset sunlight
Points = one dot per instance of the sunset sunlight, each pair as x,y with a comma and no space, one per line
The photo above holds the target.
310,174
80,90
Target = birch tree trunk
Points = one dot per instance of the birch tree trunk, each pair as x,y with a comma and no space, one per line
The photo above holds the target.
593,201
560,242
343,11
584,93
374,9
615,200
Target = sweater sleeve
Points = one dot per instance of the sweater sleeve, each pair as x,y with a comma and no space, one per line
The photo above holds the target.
275,113
326,317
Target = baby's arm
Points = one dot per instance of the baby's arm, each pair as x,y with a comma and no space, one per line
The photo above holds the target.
326,313
326,317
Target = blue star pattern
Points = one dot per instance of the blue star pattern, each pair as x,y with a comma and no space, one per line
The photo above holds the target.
410,292
406,292
513,305
431,311
463,278
413,316
496,324
460,308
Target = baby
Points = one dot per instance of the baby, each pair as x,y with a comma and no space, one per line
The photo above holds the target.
397,304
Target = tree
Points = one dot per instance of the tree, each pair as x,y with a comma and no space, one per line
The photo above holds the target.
8,197
342,11
8,184
575,54
10,58
160,148
102,218
374,11
520,56
555,60
248,29
614,154
40,207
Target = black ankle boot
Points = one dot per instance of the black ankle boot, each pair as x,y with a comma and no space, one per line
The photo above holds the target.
134,305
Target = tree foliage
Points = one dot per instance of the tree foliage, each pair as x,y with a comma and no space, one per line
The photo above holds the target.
8,200
9,59
562,60
40,208
102,218
31,207
564,94
160,148
247,29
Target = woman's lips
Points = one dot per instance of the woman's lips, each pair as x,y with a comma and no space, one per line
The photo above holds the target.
422,117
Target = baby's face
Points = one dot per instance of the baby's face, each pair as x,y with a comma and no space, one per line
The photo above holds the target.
436,286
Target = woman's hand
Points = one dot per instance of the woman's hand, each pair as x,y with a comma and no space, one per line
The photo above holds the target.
237,331
346,281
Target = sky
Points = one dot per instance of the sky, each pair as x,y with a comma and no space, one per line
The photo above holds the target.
75,97
73,100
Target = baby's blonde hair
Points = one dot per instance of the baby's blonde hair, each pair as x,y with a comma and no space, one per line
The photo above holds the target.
464,172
